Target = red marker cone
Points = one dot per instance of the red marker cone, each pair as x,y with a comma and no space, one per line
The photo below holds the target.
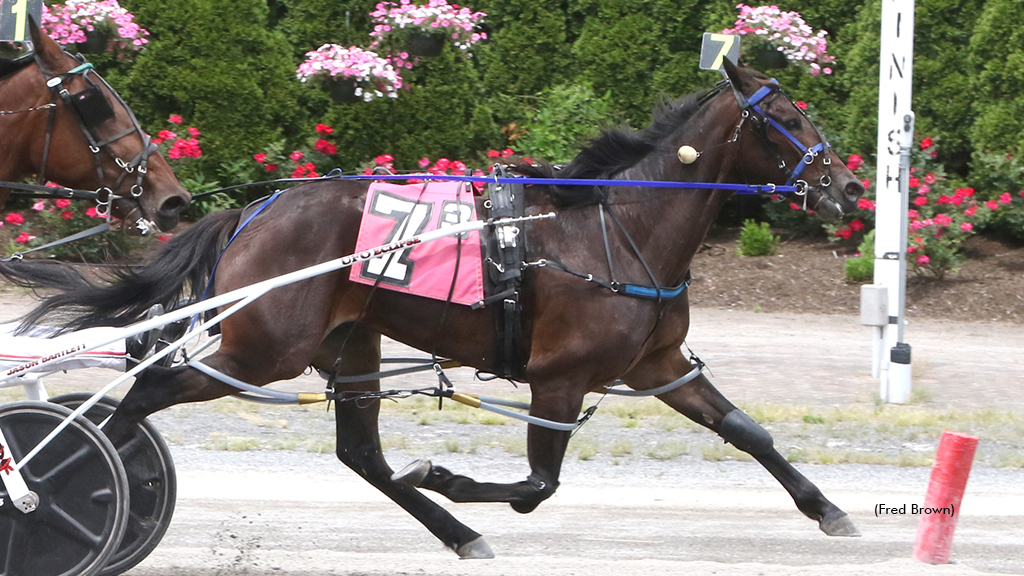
942,502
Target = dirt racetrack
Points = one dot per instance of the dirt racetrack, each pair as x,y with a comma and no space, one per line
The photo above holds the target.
289,512
298,514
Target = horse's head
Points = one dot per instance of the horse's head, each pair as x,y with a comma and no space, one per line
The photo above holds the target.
788,148
92,140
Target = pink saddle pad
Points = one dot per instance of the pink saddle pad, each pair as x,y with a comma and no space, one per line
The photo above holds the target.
395,212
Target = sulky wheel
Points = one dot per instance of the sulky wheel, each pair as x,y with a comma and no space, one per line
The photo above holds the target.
151,482
82,491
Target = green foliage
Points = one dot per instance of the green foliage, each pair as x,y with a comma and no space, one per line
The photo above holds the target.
308,24
217,63
997,89
443,114
628,69
528,48
566,117
788,214
942,77
757,239
861,268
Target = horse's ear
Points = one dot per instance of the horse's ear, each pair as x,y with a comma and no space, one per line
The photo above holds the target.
46,48
739,78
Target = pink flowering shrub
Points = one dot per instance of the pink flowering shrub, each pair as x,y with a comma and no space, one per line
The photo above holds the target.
787,33
375,77
434,17
70,22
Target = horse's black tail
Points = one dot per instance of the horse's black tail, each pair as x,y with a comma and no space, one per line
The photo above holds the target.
180,271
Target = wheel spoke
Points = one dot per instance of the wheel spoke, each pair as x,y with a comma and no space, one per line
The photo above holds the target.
63,522
14,546
129,449
62,473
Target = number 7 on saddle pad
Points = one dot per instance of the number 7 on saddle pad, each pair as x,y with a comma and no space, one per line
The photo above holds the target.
395,212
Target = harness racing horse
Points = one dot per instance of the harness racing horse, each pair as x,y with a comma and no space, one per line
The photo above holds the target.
576,336
62,122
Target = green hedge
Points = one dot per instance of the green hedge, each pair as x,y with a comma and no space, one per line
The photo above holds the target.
228,67
216,63
997,87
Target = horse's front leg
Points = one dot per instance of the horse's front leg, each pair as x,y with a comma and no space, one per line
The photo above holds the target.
699,401
556,401
359,446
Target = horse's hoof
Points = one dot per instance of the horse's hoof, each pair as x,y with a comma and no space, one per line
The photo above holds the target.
839,525
414,474
475,550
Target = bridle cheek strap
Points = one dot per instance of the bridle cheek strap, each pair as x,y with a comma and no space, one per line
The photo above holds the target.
809,154
90,112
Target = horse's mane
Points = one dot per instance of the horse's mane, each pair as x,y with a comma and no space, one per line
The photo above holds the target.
615,150
12,66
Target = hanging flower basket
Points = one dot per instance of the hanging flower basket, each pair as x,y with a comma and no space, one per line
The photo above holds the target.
436,18
369,75
769,33
96,42
94,26
342,90
768,57
425,45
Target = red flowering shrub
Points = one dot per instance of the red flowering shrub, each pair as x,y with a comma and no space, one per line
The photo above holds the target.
999,178
307,162
941,216
176,148
50,220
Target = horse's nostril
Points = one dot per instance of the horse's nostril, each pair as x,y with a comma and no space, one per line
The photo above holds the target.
174,205
854,189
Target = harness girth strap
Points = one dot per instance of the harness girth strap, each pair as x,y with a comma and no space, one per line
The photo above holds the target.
506,248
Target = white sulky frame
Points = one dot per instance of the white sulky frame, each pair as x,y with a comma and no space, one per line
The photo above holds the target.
14,482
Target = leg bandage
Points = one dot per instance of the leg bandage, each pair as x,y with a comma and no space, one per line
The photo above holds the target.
742,432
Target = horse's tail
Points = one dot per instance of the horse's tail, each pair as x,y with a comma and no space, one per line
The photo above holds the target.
35,274
181,270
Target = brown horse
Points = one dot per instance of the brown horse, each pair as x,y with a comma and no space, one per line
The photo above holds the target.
577,336
60,121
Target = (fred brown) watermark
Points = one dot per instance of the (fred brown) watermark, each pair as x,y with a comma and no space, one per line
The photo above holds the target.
913,510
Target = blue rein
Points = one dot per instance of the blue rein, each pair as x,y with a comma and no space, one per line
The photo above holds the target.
735,188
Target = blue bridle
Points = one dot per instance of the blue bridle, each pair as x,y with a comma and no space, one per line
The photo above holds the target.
809,154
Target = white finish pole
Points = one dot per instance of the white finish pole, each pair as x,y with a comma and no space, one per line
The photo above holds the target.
895,138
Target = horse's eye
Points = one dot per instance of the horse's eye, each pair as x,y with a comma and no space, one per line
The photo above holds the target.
792,125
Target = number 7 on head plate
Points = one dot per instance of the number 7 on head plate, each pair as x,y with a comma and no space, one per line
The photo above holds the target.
715,47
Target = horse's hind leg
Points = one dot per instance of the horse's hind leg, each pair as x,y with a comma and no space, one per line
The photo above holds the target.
359,448
545,449
157,388
699,401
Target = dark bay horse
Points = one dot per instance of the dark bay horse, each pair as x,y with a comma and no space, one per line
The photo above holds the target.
60,121
577,336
